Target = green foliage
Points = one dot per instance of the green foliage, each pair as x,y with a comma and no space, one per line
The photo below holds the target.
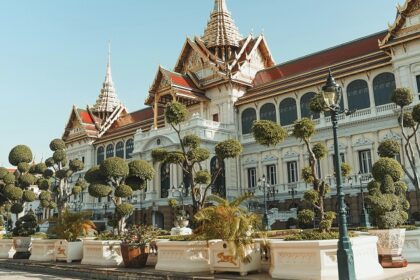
12,193
408,120
72,225
198,155
59,156
312,196
45,195
416,113
49,162
306,217
228,149
44,203
52,205
387,166
202,177
82,183
23,167
25,226
268,133
176,113
135,183
114,167
20,153
28,196
57,144
3,172
402,97
175,157
330,215
307,175
48,173
303,128
191,141
313,235
139,236
141,169
387,185
173,203
317,104
389,148
26,180
99,190
159,154
93,175
62,173
40,168
320,150
345,169
124,209
76,189
123,191
16,208
9,178
76,165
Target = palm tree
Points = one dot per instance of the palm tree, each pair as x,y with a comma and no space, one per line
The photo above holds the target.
71,225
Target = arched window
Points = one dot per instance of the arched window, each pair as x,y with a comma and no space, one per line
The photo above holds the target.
109,151
165,180
288,111
129,148
305,109
248,118
358,95
383,87
100,155
119,149
219,186
268,112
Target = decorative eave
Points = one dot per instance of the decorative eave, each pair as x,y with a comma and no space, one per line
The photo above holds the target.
74,114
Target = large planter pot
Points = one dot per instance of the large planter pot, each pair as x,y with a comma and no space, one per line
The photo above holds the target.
411,248
317,259
68,251
22,246
222,260
43,250
7,249
390,245
183,256
134,257
102,253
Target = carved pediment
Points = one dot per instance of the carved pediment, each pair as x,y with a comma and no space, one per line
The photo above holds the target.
270,158
250,161
362,142
392,136
291,154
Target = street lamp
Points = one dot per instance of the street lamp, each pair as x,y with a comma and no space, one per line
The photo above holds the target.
293,192
332,94
364,216
263,185
182,191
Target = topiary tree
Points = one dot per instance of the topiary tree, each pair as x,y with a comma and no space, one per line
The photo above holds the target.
387,194
191,156
117,179
409,122
57,171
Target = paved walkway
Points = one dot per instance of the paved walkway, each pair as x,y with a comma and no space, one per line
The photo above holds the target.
6,274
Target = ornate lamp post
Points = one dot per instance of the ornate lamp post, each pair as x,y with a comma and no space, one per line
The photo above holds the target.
263,185
332,94
293,192
364,216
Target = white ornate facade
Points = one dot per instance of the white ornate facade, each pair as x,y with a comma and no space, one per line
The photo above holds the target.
228,81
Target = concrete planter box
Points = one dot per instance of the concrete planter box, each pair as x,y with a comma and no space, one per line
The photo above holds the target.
318,259
22,246
102,253
43,250
411,248
68,251
7,249
183,256
222,260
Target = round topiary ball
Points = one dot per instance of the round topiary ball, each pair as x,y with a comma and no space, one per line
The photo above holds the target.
114,167
12,193
175,157
408,120
57,144
76,165
45,195
389,148
306,216
99,190
44,184
228,149
48,173
198,155
44,203
52,205
320,150
23,167
124,209
20,153
40,168
28,196
94,175
82,183
123,191
202,177
16,208
135,183
317,104
9,178
176,113
303,128
3,172
416,113
62,173
191,141
387,166
49,162
402,97
59,156
159,154
141,169
26,180
76,189
268,133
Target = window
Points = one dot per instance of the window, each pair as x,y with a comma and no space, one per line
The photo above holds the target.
365,161
252,177
268,112
271,175
129,148
358,95
248,118
119,150
288,111
109,151
418,83
219,186
305,110
216,117
100,155
292,172
383,87
83,159
165,180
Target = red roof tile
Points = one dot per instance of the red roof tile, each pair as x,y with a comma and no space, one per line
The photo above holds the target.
85,116
347,51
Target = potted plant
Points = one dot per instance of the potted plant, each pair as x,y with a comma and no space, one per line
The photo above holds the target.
25,227
68,229
389,205
7,249
134,245
181,219
104,250
231,223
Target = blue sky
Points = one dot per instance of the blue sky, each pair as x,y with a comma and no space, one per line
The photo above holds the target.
53,53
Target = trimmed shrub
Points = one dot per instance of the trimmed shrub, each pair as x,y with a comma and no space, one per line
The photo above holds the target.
28,196
135,183
191,141
23,167
123,191
16,208
402,97
124,209
27,180
387,166
307,175
48,173
317,104
76,189
57,144
76,165
198,155
20,153
12,193
45,195
303,128
141,169
389,148
175,157
306,217
320,150
159,154
228,149
3,172
268,133
202,177
99,190
94,175
49,162
114,167
9,178
176,113
40,168
59,156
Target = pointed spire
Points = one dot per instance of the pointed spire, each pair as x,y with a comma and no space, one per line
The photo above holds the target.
108,99
221,31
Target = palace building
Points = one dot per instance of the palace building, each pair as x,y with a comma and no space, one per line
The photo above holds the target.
227,81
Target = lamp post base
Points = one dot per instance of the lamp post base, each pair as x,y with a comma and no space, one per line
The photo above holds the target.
345,261
364,219
266,226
